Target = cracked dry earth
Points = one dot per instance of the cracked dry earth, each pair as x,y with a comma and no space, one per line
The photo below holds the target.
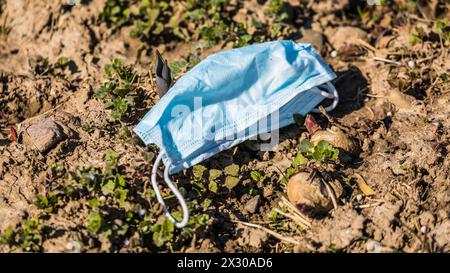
404,138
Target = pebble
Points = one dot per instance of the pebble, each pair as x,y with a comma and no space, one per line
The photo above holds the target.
412,64
44,135
373,246
74,246
423,229
359,197
252,204
334,54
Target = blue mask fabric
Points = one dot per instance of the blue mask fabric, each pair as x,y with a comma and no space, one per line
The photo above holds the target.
230,97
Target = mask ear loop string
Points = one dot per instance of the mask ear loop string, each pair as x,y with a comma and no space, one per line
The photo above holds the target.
173,188
331,94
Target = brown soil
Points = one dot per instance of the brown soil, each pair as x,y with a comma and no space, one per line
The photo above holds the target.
405,140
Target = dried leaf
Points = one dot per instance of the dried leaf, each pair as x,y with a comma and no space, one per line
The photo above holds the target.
363,185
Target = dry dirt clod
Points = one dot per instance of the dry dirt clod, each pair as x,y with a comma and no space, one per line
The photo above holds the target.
342,37
44,135
9,217
312,37
338,139
399,99
309,194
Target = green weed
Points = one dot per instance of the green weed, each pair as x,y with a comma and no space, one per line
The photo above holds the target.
317,155
119,91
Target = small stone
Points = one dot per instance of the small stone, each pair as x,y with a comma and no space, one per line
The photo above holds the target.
412,64
334,54
44,135
252,204
373,246
359,197
73,246
96,134
309,194
141,212
423,229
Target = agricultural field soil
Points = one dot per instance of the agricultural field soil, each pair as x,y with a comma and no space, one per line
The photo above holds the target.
74,177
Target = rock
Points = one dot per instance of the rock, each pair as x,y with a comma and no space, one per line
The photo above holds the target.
44,135
373,246
252,204
342,37
310,195
313,37
338,139
73,247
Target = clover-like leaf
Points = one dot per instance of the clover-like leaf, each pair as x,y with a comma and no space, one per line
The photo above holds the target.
232,170
231,182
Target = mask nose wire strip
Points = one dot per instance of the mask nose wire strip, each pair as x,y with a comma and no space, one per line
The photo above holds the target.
331,94
173,188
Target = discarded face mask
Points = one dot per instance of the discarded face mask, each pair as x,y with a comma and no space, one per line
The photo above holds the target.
230,97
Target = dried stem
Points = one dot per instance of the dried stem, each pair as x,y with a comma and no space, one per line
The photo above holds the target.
271,232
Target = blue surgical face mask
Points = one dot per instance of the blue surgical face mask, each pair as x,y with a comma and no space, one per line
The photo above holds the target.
230,97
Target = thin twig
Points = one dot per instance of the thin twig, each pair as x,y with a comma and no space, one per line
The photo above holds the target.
293,209
387,61
365,206
271,232
294,218
331,193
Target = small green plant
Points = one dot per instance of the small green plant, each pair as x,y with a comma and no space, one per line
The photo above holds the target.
27,235
443,30
232,179
163,232
277,11
415,38
320,153
119,91
180,67
57,69
8,236
151,16
116,13
4,28
47,202
94,222
257,176
363,13
308,154
211,22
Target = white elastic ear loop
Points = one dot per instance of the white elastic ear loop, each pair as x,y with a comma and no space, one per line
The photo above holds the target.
331,94
174,189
